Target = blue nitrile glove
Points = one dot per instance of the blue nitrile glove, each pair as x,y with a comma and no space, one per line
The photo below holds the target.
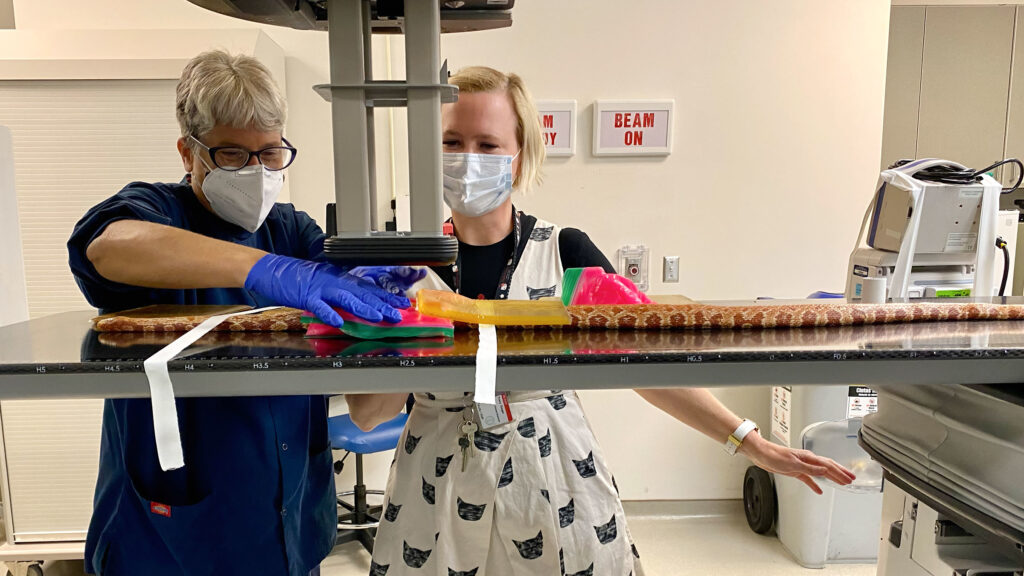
394,279
317,287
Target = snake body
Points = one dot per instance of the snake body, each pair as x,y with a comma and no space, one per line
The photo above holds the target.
276,320
706,316
642,317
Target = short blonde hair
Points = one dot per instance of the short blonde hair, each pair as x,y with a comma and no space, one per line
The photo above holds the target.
528,132
217,88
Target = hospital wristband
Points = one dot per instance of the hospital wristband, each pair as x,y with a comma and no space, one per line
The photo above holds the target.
735,440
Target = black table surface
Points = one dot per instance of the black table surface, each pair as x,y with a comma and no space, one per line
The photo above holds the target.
66,343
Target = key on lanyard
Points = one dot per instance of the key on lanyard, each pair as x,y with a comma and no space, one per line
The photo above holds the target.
468,430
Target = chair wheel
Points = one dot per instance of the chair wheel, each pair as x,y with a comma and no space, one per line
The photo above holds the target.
759,502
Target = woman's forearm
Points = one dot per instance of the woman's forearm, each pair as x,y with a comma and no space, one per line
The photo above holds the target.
156,256
698,408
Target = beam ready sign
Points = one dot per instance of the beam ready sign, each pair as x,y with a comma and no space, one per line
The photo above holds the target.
558,125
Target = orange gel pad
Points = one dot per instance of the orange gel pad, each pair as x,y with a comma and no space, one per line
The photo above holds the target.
497,312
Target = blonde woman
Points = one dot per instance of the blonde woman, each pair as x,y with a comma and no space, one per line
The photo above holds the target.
531,496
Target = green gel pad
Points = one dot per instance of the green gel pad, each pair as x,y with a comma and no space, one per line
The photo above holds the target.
413,325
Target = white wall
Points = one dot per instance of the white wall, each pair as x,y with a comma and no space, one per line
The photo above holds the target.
777,143
778,122
777,135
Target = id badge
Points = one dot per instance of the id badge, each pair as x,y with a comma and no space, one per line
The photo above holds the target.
493,415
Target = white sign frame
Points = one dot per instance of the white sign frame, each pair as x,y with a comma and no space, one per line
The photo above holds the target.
559,106
657,105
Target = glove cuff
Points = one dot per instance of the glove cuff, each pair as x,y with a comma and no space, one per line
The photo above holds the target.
263,268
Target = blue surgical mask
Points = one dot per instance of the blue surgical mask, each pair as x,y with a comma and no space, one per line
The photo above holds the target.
476,184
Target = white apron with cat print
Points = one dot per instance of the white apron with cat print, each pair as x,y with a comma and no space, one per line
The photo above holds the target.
533,497
539,273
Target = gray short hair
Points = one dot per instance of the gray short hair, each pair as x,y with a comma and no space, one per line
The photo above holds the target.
217,88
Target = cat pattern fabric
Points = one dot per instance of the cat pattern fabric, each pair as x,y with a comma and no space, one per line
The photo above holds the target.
535,497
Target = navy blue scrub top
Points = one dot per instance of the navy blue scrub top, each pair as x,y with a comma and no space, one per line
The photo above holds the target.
256,495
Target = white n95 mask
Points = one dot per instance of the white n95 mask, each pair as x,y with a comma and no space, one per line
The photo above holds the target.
475,184
243,197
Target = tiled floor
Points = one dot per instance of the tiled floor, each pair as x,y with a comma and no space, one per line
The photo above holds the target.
698,539
685,539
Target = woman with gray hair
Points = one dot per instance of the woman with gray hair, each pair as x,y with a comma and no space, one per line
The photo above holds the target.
257,496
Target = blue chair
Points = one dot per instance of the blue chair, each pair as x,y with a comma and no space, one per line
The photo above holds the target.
359,521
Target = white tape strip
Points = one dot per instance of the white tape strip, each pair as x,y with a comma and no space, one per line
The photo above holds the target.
165,413
486,365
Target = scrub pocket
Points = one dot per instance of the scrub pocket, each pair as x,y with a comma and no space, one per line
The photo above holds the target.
194,528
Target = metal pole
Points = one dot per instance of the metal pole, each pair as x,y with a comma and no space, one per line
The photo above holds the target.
360,492
422,66
348,116
371,147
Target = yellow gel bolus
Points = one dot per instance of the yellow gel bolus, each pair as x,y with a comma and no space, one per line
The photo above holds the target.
497,312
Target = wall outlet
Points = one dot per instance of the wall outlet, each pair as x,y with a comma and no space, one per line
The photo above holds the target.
670,269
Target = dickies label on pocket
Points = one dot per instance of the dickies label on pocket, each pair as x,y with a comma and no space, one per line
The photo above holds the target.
160,509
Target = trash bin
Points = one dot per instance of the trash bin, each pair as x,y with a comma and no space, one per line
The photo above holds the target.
841,525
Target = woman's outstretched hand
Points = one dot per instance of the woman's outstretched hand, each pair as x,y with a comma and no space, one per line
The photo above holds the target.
803,465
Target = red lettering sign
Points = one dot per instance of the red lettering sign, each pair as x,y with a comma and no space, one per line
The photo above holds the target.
549,138
634,138
648,120
618,120
549,121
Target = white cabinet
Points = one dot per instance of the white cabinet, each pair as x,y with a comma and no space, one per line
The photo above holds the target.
1015,112
903,84
948,83
965,83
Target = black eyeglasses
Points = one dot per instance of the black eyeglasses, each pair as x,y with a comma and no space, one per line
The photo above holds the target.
233,158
